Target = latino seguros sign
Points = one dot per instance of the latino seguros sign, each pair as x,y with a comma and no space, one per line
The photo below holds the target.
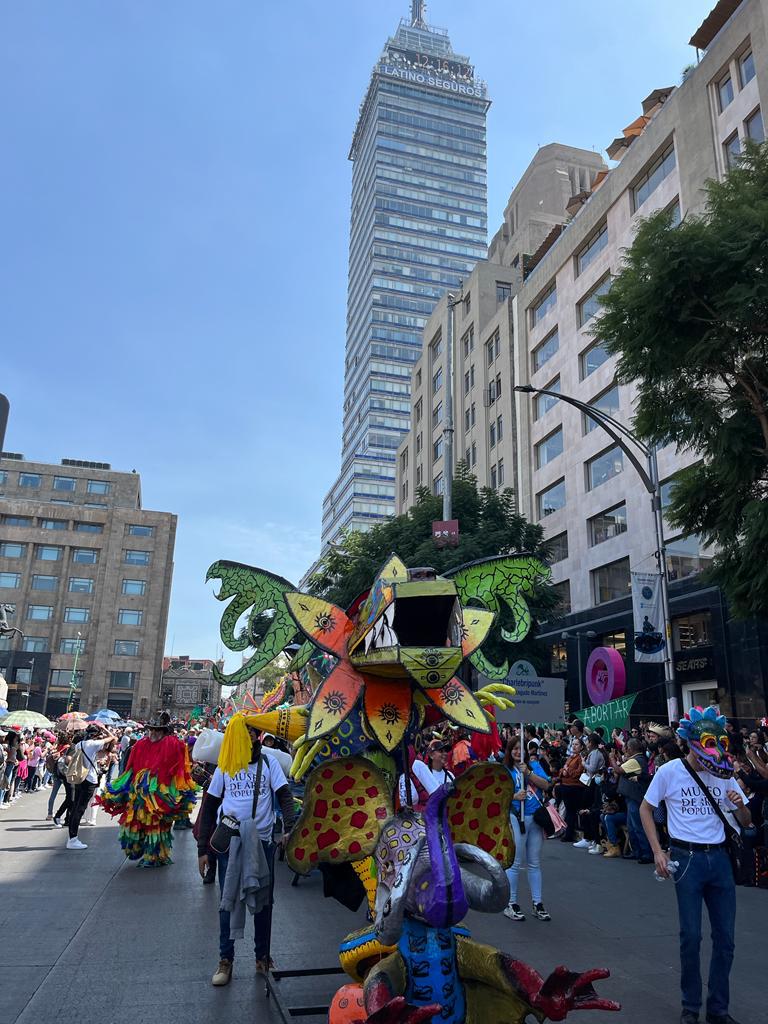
426,78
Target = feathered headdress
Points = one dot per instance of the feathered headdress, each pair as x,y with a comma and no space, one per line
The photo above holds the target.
690,725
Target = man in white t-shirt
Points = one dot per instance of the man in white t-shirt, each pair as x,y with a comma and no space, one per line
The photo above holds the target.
234,795
697,845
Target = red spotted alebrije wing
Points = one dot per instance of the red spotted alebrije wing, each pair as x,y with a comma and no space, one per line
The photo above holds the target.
346,804
478,811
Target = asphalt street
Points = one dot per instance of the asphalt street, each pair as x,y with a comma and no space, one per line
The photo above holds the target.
87,936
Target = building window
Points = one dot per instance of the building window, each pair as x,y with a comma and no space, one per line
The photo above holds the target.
62,677
127,648
136,557
123,680
436,347
550,500
694,630
604,467
543,403
607,524
675,213
404,490
493,348
732,150
545,350
438,485
80,585
549,448
29,480
418,410
607,402
17,520
35,644
558,657
592,249
77,615
437,381
466,382
563,592
10,550
611,581
753,127
437,415
467,304
418,378
64,483
89,527
501,472
725,92
503,291
469,341
437,449
40,612
71,645
746,68
499,428
494,478
47,553
592,358
591,305
466,421
474,453
492,435
53,524
419,472
558,548
685,557
653,177
472,414
129,617
61,501
137,588
84,556
45,582
98,487
419,442
10,580
544,304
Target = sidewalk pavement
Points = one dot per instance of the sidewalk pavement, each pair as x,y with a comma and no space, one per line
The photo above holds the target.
87,936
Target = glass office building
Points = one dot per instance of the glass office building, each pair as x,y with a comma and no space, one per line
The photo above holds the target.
418,226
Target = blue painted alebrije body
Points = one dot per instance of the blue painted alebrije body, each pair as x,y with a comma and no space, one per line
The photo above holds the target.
432,968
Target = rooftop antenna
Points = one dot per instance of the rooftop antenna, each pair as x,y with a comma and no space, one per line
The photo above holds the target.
419,13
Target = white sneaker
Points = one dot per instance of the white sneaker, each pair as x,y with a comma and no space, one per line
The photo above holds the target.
75,844
57,823
92,823
595,848
583,844
514,912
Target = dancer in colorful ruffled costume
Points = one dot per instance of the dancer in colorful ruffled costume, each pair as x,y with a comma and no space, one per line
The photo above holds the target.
155,790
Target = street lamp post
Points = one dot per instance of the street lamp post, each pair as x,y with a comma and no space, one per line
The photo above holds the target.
589,635
649,474
73,677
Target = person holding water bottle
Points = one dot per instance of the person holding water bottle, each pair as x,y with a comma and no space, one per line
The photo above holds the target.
692,788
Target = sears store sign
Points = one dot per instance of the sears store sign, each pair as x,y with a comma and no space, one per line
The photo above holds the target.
425,78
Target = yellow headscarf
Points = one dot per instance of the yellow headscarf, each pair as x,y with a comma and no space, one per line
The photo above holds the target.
235,755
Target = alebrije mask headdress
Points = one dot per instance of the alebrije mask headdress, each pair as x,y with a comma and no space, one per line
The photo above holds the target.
704,732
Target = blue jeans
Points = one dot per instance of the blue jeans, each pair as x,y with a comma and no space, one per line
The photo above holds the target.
531,843
637,836
705,876
57,781
612,824
262,922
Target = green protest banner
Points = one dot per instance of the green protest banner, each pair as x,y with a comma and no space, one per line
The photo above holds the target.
612,715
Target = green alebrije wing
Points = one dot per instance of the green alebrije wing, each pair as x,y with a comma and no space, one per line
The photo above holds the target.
509,579
302,656
260,591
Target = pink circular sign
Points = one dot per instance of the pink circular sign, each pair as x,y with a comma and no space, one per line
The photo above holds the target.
606,675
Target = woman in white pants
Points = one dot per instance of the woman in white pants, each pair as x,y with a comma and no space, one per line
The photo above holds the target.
529,837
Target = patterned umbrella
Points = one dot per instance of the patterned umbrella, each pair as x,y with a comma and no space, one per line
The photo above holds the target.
26,720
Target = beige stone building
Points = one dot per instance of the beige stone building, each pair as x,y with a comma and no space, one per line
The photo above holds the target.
564,246
187,683
88,571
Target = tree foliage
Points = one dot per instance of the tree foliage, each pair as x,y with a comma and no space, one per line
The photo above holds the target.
688,318
489,525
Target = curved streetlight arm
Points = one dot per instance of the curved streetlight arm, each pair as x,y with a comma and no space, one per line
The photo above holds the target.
612,427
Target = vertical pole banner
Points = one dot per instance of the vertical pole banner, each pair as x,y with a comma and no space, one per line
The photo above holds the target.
648,614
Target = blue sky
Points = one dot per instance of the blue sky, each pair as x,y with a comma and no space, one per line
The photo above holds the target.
174,195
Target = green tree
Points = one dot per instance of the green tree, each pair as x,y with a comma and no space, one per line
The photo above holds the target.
688,318
489,525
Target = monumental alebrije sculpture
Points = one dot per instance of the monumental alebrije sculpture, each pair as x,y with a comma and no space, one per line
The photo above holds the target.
382,671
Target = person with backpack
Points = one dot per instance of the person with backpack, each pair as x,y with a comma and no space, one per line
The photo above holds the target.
83,777
55,763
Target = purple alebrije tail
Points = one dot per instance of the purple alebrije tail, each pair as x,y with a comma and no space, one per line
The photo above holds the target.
446,903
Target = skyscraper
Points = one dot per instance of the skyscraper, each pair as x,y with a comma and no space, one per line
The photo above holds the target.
418,226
